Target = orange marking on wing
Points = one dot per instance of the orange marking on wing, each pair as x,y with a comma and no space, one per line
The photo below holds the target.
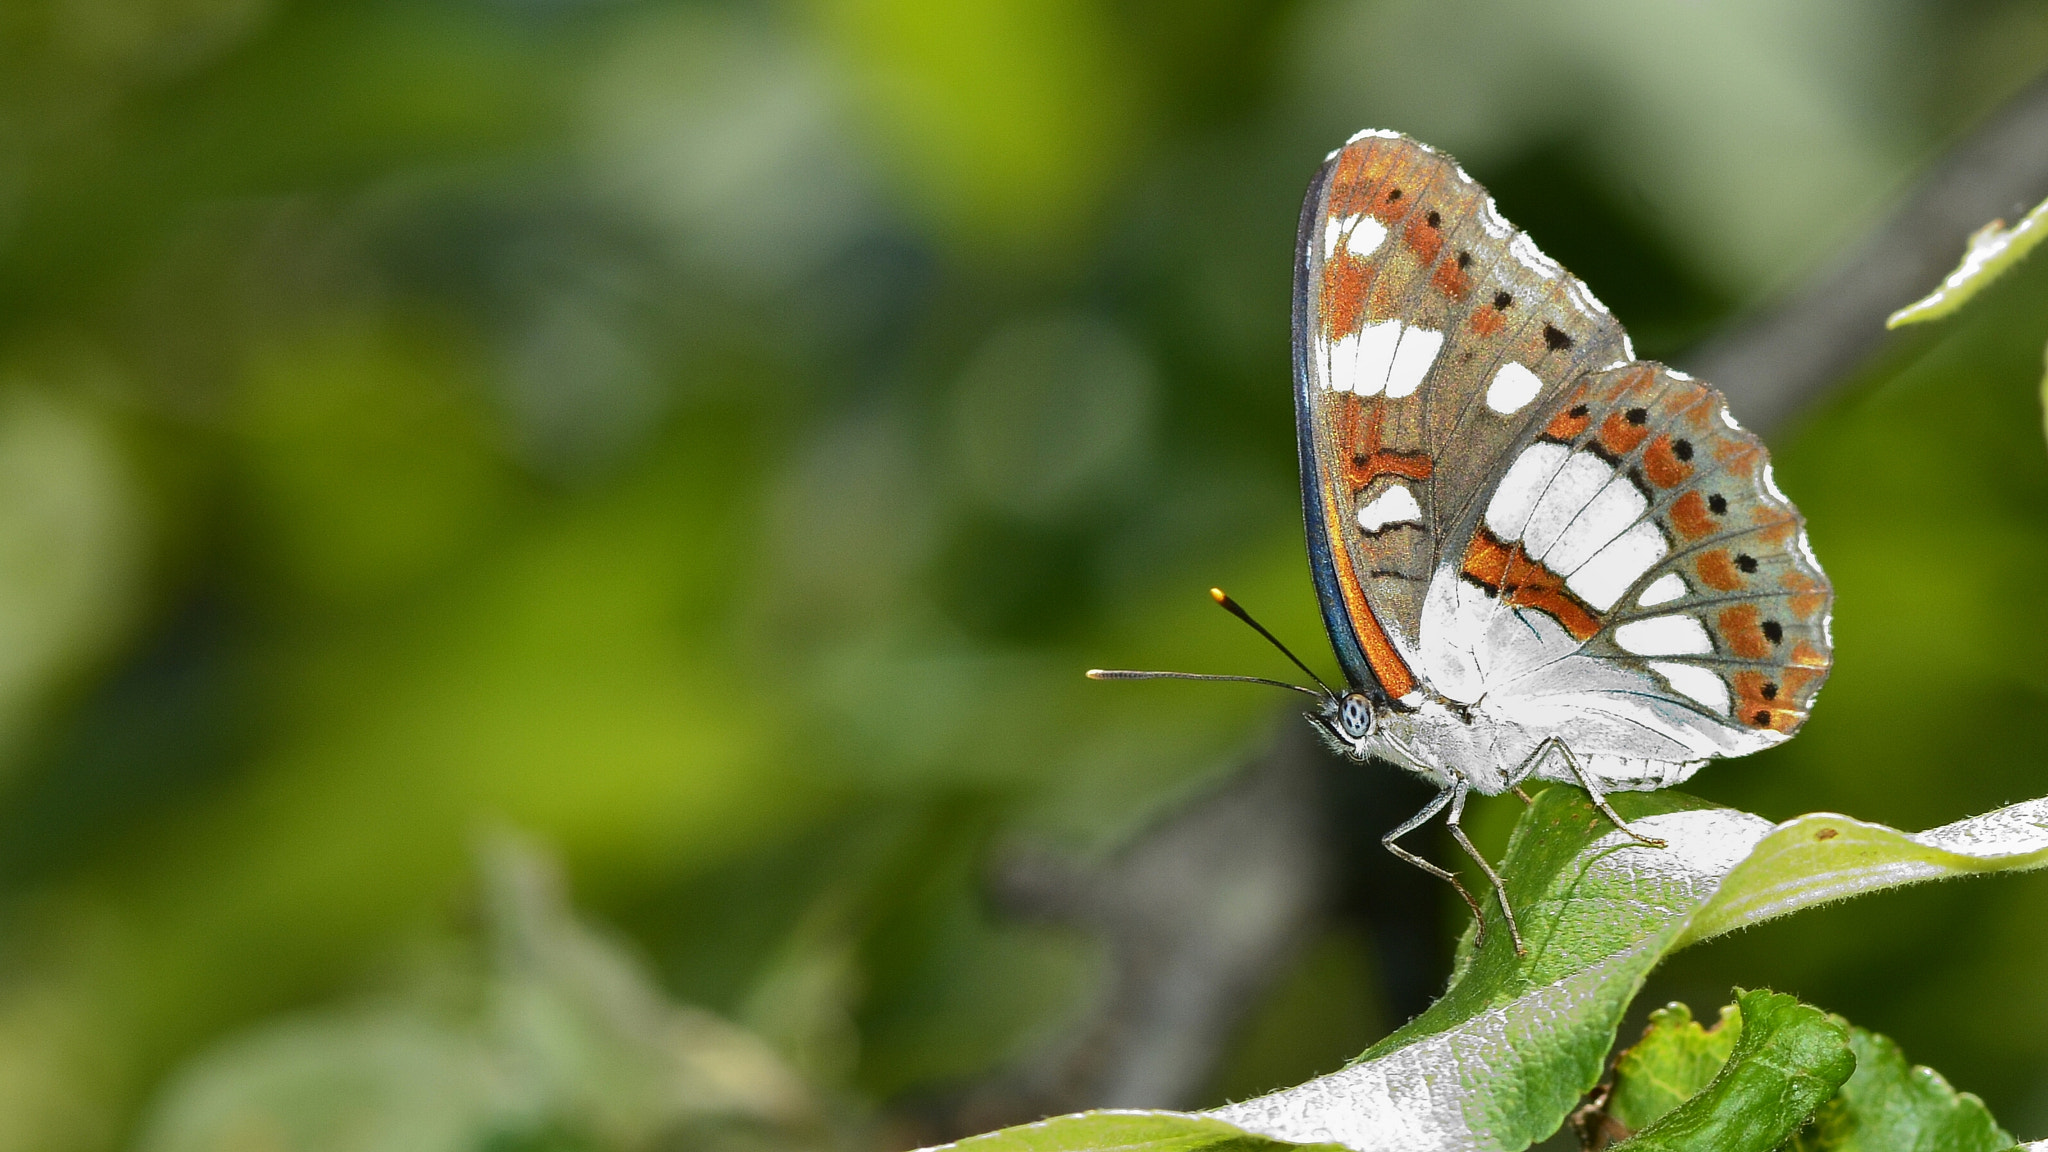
1390,193
1486,321
1809,596
1451,280
1743,631
1717,570
1345,281
1353,180
1387,665
1737,455
1775,525
1567,427
1423,240
1367,461
1689,515
1662,465
1763,702
1619,436
1641,383
1807,656
1522,581
1697,409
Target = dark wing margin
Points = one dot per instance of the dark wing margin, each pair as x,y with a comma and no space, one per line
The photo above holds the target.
1315,513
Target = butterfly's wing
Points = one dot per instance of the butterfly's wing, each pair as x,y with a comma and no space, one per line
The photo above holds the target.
1636,584
1429,337
1507,510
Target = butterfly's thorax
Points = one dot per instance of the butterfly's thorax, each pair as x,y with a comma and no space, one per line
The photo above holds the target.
1443,742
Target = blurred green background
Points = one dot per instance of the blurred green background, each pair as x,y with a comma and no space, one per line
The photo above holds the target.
704,442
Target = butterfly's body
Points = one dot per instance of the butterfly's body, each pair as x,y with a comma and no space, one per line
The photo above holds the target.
1537,557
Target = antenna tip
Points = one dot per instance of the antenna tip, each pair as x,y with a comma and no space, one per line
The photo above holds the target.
1218,595
1097,674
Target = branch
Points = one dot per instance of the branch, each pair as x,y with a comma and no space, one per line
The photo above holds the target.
1783,359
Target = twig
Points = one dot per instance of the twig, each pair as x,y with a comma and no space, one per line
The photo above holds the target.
1784,358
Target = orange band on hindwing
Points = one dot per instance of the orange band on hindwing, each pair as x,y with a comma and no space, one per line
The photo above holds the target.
1508,572
1387,665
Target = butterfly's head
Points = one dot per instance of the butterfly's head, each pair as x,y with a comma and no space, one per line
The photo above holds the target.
1348,723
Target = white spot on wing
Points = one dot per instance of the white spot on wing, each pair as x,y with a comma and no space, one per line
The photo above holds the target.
1375,134
1695,682
1365,236
1512,388
1608,515
1516,495
1412,361
1365,370
1729,420
1393,506
1601,580
1663,590
1575,485
1665,636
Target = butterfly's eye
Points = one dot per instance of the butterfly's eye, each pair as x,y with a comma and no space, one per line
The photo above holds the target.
1354,716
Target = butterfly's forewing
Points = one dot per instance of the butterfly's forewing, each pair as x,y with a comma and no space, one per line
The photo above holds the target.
1431,337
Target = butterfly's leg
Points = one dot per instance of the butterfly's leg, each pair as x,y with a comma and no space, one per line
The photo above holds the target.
1599,800
1524,797
1416,821
1507,910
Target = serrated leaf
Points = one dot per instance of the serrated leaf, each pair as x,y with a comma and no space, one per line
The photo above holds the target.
1505,1054
1671,1063
1789,1059
1892,1106
1116,1130
1991,250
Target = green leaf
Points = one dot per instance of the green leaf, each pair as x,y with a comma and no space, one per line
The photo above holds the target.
1508,1050
1886,1106
1124,1131
1669,1065
1788,1060
1504,1055
1991,250
1891,1105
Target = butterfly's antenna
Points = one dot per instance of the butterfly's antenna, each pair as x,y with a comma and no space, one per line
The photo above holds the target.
1232,607
1121,674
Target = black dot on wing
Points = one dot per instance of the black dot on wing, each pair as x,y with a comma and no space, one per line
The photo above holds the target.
1639,416
1394,194
1464,259
1556,339
1435,221
1682,449
1501,300
1718,504
1774,630
1769,692
1761,718
1578,412
1746,562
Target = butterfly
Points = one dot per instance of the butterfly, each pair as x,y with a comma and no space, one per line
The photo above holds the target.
1538,558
